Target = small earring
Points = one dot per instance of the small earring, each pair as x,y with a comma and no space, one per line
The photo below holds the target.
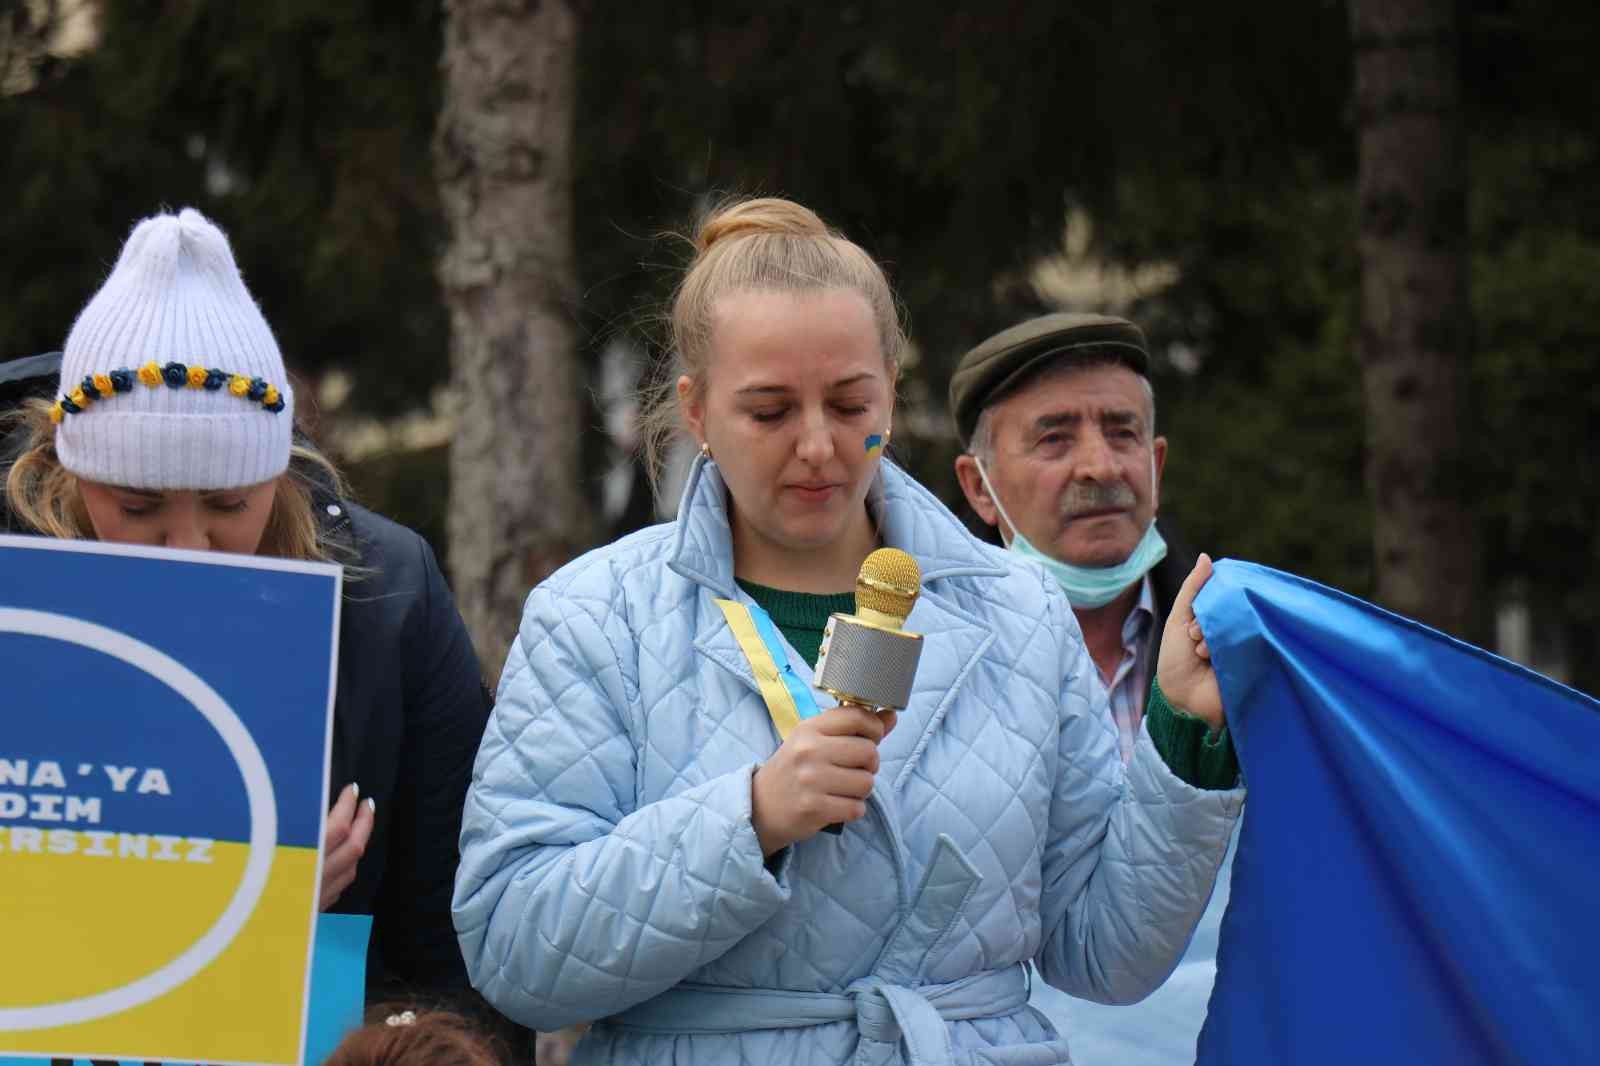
705,449
886,435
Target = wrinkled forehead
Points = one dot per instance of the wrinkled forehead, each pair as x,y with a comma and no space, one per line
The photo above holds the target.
1097,392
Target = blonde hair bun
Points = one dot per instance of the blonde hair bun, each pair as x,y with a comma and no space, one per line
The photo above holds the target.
790,249
760,217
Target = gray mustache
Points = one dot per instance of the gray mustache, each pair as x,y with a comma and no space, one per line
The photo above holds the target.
1084,496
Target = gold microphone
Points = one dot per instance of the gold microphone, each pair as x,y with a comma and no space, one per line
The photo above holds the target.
867,659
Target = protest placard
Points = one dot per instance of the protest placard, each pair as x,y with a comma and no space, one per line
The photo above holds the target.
163,779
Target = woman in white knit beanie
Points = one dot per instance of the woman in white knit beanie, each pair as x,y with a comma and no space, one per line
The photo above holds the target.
174,421
173,425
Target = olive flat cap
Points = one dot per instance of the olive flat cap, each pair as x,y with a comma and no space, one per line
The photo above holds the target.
989,371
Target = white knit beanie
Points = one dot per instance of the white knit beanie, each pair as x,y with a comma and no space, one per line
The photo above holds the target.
170,378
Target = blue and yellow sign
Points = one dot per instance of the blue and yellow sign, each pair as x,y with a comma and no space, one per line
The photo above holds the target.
163,767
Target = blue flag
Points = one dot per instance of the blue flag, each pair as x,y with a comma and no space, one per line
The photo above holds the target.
1418,873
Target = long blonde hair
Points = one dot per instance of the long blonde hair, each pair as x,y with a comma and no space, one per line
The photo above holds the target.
757,244
44,495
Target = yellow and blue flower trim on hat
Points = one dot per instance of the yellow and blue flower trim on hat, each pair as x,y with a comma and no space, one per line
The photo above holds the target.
96,387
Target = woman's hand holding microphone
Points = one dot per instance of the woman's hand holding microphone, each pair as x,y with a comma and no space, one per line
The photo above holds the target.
821,775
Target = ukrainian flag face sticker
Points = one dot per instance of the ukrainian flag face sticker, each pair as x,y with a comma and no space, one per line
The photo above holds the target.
162,783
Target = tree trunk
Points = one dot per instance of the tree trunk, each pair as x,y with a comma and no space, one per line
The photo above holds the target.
503,156
1415,318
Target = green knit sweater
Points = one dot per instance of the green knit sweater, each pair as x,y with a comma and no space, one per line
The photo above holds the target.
1195,754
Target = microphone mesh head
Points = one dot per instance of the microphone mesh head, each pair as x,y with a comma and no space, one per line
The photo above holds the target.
888,583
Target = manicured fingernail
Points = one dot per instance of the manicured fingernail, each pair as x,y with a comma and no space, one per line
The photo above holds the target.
372,805
355,790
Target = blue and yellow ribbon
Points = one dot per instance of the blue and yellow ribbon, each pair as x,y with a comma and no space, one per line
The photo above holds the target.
103,386
789,700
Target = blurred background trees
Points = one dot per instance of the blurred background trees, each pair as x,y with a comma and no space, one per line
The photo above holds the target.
1416,322
1194,167
503,153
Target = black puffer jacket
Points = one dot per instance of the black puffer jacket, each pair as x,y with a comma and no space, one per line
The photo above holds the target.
24,379
409,713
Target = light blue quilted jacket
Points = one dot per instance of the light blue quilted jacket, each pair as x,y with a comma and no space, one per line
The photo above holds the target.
609,869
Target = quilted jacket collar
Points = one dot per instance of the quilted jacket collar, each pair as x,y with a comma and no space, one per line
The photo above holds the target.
908,517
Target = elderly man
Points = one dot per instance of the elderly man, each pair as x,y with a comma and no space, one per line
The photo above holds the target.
1062,456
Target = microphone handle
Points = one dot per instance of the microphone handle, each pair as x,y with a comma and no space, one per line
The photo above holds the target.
838,827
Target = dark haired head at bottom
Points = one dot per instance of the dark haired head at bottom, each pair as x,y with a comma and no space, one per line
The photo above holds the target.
399,1035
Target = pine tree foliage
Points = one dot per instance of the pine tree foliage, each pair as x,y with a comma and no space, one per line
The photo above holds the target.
952,141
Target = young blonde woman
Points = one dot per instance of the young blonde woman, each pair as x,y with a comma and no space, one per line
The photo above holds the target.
173,426
641,845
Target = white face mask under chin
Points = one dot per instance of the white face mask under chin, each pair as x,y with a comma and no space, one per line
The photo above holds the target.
1087,586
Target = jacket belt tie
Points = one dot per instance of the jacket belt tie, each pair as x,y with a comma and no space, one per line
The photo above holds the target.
884,1013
